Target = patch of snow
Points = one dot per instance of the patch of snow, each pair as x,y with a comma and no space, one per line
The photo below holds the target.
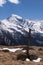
27,59
5,48
12,50
23,50
37,60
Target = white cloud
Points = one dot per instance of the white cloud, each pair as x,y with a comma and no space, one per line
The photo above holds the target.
14,1
2,2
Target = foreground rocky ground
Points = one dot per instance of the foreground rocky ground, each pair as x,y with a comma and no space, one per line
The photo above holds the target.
10,58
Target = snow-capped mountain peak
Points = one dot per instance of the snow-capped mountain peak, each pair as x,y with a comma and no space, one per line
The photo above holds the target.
15,27
16,16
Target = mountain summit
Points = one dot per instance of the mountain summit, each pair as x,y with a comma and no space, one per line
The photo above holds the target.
15,27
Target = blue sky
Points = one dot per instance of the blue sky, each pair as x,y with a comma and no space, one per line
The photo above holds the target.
32,9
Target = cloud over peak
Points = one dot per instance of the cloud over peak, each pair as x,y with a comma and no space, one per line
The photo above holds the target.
12,1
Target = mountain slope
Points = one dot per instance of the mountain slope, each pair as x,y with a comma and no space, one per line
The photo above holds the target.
15,28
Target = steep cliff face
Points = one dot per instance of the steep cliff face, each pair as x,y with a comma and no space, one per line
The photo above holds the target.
15,28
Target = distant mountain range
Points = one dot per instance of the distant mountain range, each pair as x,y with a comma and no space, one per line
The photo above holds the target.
15,28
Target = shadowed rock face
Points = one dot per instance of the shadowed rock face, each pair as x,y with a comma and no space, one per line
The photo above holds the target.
14,30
